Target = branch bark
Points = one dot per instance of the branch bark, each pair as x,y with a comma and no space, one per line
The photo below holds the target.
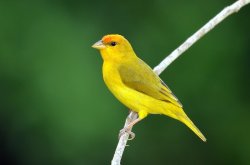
235,7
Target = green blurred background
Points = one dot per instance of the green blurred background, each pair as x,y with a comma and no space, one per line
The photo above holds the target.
56,109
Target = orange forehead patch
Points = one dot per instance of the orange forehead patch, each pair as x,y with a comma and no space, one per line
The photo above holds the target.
106,39
111,37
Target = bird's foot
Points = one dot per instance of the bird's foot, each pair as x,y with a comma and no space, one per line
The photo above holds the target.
131,135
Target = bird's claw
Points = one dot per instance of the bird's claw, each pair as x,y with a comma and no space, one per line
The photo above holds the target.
131,135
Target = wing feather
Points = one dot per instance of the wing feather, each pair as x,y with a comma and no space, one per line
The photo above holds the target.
142,78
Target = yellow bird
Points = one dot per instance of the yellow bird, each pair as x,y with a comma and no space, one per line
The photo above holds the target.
136,85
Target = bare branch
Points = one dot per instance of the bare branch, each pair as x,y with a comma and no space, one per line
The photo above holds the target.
200,33
123,140
235,7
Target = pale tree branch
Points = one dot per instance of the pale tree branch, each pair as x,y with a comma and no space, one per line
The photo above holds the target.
235,7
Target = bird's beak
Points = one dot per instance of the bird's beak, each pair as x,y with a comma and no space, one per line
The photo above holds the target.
99,45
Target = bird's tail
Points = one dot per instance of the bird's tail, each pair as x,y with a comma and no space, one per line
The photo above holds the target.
179,114
185,119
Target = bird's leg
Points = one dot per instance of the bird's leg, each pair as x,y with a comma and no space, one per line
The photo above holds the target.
128,128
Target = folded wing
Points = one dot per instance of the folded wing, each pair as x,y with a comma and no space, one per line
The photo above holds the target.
141,78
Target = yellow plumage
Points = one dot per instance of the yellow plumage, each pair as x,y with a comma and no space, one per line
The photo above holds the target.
135,84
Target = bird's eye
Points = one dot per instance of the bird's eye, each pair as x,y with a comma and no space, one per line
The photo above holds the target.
113,43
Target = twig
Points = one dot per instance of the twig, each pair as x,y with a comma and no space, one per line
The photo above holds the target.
123,140
235,7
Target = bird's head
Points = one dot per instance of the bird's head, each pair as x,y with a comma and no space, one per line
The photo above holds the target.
114,47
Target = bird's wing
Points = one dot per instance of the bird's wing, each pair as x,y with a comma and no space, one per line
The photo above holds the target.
140,77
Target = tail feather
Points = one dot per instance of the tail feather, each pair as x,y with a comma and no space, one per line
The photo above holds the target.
191,125
179,114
